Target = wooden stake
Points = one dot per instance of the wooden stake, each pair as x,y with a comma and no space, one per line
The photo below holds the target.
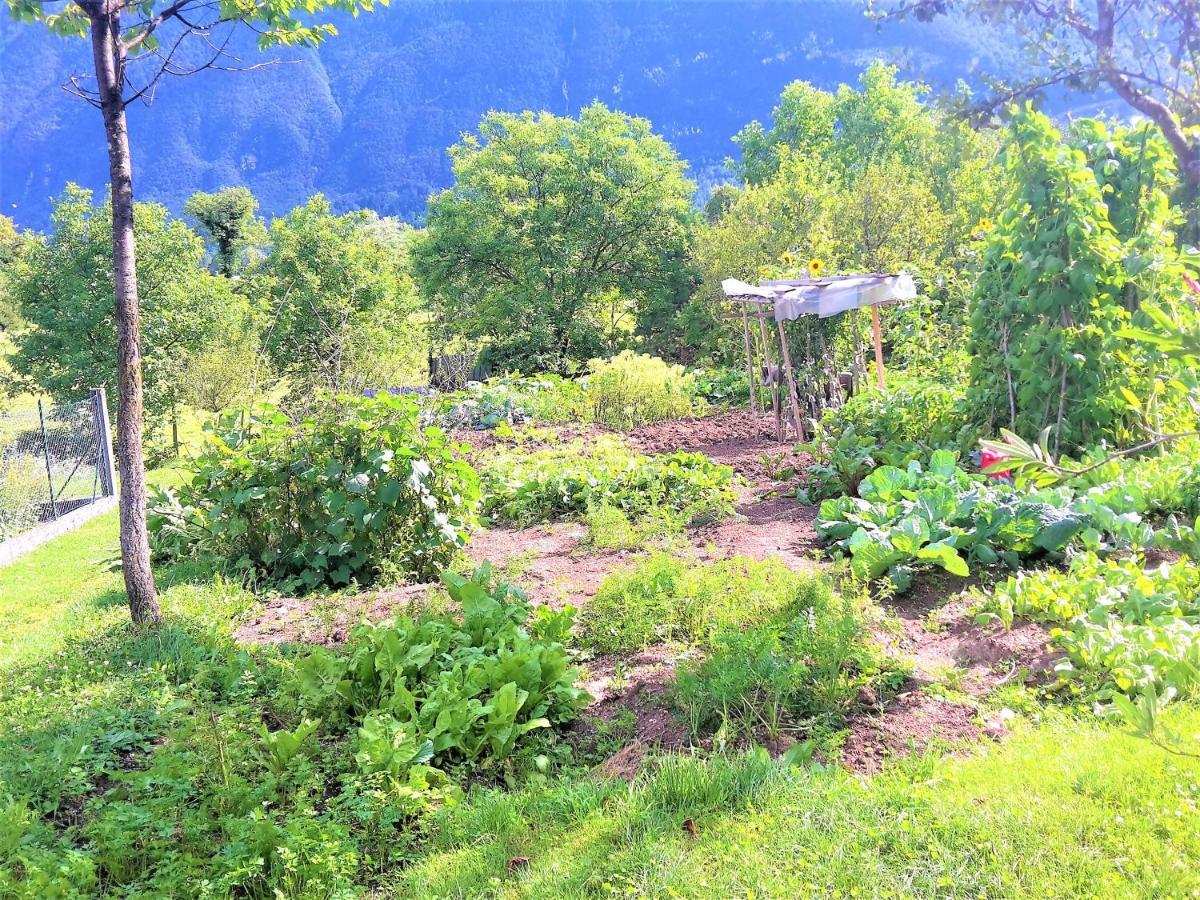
775,406
878,346
791,381
749,360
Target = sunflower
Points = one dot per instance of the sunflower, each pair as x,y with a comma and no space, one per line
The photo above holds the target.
815,266
787,259
984,225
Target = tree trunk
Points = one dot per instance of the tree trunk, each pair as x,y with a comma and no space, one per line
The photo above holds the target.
135,541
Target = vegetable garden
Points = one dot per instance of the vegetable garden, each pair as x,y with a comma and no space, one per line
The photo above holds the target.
744,619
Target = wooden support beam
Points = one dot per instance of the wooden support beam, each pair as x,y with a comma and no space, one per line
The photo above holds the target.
774,381
793,396
878,337
749,362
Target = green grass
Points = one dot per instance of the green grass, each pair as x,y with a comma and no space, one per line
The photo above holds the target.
59,583
129,765
1074,808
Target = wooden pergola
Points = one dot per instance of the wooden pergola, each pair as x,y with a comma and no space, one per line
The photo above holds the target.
786,301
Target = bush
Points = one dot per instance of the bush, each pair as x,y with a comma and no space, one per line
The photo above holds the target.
359,494
566,480
438,690
1124,626
632,389
665,598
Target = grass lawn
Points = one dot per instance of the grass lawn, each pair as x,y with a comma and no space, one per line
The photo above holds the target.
131,764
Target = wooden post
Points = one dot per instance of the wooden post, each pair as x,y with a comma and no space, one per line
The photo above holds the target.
791,382
878,346
104,448
775,404
749,360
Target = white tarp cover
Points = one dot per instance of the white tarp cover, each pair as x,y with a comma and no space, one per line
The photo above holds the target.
824,297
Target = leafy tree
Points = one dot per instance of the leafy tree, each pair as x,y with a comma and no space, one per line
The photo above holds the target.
1086,240
557,233
230,219
129,60
1145,51
12,244
63,284
343,314
872,179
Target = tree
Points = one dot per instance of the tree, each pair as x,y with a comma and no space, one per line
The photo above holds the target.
63,285
12,247
556,234
342,311
130,57
868,179
230,219
1146,51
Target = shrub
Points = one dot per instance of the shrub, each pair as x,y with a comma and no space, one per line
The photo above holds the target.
358,494
1124,625
438,689
565,480
665,598
632,389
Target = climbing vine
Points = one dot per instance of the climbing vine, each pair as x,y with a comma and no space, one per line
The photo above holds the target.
1085,241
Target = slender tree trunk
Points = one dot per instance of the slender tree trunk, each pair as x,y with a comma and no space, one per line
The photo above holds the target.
135,541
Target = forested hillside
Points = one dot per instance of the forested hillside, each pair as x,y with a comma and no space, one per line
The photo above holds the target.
367,119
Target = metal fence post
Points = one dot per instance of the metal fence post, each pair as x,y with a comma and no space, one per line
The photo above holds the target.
104,454
46,455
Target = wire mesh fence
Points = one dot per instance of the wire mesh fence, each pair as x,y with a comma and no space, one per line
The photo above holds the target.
54,459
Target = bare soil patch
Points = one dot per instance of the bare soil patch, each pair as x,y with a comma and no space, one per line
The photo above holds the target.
737,438
548,561
910,723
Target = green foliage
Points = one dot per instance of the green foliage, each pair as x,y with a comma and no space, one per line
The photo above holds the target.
666,598
632,389
800,670
230,219
565,480
625,391
1124,626
867,180
343,309
556,233
905,422
64,286
438,690
943,516
1086,238
358,494
721,385
512,400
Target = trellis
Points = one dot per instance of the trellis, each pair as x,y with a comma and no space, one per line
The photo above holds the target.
785,300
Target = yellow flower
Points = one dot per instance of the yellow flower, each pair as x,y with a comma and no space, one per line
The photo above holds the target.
814,267
786,258
985,225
